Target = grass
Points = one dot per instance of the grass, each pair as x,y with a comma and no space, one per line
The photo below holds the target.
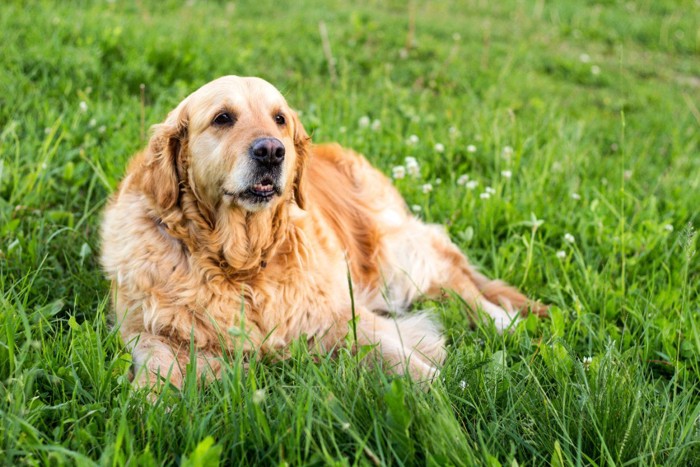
600,104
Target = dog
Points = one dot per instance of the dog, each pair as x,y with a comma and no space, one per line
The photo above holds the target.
231,230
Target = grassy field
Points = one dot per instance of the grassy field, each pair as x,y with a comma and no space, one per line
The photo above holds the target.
577,125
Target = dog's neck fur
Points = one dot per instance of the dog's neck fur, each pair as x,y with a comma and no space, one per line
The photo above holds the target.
228,242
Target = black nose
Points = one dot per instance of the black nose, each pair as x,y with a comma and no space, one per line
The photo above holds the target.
268,151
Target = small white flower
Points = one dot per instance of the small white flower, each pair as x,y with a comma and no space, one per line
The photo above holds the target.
413,139
83,106
575,196
102,129
585,58
92,123
439,147
398,172
462,385
561,254
345,426
427,188
506,173
453,131
412,167
364,121
438,181
485,195
47,130
568,238
471,148
490,190
416,208
462,180
507,152
258,396
472,184
376,125
668,228
595,70
586,361
627,174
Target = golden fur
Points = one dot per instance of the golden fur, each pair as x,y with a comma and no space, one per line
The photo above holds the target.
190,256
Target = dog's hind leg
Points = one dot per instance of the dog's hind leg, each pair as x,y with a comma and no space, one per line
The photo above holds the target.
412,345
422,260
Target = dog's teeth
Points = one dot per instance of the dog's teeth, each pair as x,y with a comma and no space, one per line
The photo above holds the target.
264,188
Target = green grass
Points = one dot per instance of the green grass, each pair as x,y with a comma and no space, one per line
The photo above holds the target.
601,100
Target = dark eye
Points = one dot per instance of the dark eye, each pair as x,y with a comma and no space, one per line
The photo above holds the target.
280,120
224,118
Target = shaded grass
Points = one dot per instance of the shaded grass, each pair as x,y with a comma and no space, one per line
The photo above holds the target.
624,138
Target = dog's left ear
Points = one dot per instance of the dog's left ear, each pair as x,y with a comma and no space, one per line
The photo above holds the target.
302,146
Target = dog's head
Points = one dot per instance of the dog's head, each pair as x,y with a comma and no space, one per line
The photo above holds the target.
234,143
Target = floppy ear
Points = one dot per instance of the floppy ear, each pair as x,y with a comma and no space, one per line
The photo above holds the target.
302,146
161,176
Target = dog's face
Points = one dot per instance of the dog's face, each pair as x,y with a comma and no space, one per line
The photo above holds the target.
244,146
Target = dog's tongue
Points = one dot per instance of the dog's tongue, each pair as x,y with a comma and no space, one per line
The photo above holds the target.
263,188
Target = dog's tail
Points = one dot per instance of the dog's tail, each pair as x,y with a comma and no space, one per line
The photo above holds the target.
497,291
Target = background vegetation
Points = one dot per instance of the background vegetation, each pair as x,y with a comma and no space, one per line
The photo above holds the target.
567,117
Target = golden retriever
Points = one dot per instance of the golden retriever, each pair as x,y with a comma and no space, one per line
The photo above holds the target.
231,228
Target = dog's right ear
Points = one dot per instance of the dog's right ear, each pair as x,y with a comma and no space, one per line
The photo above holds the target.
162,171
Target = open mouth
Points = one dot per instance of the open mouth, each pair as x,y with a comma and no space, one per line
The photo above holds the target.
264,189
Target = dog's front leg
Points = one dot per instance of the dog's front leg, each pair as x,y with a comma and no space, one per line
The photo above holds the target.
157,358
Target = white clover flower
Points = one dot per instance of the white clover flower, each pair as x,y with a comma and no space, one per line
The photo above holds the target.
83,106
506,173
595,70
575,196
472,184
584,58
490,190
485,195
462,180
398,172
427,188
92,123
413,139
364,121
568,238
507,152
561,254
668,228
47,130
586,361
471,148
438,181
439,147
462,385
416,208
258,396
102,129
376,125
412,166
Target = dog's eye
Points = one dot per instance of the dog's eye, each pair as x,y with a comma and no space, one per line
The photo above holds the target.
224,118
280,120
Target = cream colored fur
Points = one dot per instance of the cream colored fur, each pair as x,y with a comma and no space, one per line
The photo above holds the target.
189,258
